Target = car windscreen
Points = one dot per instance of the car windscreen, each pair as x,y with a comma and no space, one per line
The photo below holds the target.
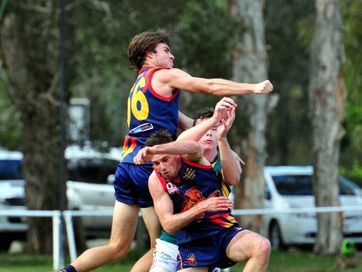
301,185
10,169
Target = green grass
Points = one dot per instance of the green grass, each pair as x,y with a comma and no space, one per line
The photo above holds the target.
292,261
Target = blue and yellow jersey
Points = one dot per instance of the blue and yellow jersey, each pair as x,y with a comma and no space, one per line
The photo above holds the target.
196,183
147,112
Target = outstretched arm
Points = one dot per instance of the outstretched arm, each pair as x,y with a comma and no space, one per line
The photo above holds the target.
174,222
178,79
190,149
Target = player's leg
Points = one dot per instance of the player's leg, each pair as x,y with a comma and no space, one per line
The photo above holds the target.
153,227
250,246
123,231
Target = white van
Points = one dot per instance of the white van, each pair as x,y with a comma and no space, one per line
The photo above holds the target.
291,187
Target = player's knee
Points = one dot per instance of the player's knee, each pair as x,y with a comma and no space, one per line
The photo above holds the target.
119,250
263,248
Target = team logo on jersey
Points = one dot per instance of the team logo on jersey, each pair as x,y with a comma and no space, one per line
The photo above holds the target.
191,259
189,174
171,188
192,197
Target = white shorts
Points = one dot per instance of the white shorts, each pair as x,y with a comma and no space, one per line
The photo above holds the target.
164,257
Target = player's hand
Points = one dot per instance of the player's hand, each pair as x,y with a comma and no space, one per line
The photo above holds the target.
225,105
225,125
214,204
143,156
263,87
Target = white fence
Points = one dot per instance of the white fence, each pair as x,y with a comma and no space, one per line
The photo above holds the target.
68,218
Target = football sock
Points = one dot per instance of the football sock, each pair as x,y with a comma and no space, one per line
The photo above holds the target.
68,268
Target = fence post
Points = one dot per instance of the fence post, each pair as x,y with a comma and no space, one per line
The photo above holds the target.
56,240
70,235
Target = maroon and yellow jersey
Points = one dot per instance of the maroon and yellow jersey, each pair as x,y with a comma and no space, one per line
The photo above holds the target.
147,112
195,183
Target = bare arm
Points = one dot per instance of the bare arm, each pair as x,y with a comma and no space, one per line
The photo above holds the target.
174,222
190,149
184,122
165,81
231,168
195,133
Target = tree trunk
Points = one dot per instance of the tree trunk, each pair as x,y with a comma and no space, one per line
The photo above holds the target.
250,65
326,94
29,43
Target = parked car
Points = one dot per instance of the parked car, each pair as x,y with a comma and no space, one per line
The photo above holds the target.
11,197
89,188
291,187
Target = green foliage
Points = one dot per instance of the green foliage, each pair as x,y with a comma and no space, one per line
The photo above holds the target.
352,144
354,173
10,127
206,34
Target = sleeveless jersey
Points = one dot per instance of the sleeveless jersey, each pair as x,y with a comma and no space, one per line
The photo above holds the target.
196,183
147,112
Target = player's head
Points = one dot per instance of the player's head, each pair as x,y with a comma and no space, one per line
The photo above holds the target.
209,139
153,47
203,114
166,164
161,136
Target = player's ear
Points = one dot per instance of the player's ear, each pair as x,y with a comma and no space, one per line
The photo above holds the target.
149,54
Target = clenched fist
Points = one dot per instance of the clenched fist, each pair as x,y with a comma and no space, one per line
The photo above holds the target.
263,87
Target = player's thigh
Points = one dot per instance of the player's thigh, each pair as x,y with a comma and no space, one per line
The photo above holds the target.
152,223
243,245
124,223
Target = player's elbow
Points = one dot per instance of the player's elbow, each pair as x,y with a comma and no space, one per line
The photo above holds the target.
169,227
195,146
233,180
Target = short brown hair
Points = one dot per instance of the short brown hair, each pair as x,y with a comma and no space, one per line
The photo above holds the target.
204,113
161,136
143,43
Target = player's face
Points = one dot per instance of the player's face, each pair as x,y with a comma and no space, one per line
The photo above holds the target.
167,165
163,56
209,139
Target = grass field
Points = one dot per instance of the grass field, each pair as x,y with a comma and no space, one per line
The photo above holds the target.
292,261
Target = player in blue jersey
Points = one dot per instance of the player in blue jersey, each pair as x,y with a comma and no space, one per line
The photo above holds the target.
189,203
211,135
152,104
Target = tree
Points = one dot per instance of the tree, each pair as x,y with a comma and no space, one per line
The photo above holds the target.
326,95
30,53
250,65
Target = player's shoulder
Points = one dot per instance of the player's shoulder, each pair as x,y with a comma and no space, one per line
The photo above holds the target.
170,72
